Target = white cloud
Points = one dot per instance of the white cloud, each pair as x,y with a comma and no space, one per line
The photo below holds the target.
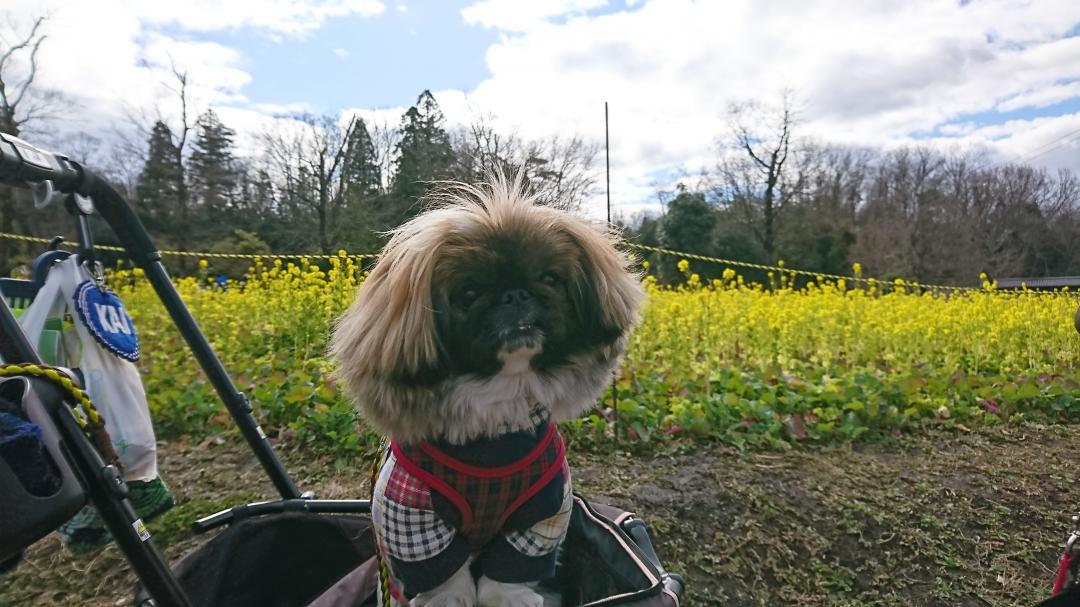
108,65
874,72
868,72
288,17
1041,97
342,53
389,117
518,16
283,109
113,60
1050,141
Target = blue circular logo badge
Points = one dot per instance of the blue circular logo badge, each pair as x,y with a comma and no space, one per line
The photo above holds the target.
110,324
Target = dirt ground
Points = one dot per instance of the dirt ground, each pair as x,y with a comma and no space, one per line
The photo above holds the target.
933,519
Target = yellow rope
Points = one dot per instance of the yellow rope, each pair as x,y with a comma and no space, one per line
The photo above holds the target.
681,254
791,271
265,256
94,429
384,571
202,254
64,382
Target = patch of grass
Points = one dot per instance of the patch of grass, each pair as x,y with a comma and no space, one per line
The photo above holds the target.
175,525
938,520
50,575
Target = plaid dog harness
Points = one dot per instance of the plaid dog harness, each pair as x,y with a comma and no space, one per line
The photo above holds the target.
505,500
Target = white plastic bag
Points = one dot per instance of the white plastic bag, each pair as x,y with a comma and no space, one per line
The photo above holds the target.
113,384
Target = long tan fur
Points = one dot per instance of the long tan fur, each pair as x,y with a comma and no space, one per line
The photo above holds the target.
389,333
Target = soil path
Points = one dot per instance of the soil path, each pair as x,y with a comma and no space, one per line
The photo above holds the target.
934,519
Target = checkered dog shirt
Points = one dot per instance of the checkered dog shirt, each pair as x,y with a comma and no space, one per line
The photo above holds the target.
504,500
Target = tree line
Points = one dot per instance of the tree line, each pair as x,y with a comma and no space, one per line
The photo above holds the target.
912,212
317,183
320,183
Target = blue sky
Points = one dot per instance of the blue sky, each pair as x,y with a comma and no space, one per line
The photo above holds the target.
997,117
1001,76
356,61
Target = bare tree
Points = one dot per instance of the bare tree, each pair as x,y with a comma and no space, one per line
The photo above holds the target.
765,135
385,138
129,137
822,187
130,157
945,217
663,195
183,198
306,158
23,103
480,148
559,170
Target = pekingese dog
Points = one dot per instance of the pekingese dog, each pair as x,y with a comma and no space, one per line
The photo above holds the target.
487,320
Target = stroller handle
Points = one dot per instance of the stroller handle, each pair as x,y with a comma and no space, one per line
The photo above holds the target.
23,165
21,162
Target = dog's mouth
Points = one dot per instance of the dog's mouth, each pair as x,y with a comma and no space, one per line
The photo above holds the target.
519,345
525,335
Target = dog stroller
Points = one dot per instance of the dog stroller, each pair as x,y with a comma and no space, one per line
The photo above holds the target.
1067,578
297,550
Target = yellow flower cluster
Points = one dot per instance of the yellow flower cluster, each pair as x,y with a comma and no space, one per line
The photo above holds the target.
810,349
837,327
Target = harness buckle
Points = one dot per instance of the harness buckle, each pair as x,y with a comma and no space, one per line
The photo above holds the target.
1072,543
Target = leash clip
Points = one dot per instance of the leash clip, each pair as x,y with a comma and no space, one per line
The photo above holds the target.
96,271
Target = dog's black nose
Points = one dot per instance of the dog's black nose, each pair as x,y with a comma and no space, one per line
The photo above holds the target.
514,296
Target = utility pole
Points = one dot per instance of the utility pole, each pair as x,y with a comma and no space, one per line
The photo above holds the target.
607,166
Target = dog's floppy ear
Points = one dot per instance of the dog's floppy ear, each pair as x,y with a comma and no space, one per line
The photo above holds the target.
389,331
606,293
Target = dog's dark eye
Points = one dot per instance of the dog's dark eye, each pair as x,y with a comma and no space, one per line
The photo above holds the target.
550,278
466,296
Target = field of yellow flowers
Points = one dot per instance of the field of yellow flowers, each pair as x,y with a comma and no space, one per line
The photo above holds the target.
724,361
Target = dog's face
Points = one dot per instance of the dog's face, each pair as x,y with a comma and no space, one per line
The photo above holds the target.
481,305
514,298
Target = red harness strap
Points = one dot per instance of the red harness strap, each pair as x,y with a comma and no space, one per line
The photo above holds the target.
485,497
1064,572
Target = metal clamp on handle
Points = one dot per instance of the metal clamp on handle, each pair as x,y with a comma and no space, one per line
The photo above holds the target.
22,163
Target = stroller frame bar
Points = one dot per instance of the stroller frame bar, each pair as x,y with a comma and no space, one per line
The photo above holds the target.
22,164
129,230
314,506
102,481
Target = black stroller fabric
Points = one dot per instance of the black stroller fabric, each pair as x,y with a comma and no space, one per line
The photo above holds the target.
601,565
299,559
1069,598
284,560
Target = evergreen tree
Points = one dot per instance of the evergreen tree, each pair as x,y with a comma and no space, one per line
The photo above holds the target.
213,167
424,152
688,226
157,193
363,179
